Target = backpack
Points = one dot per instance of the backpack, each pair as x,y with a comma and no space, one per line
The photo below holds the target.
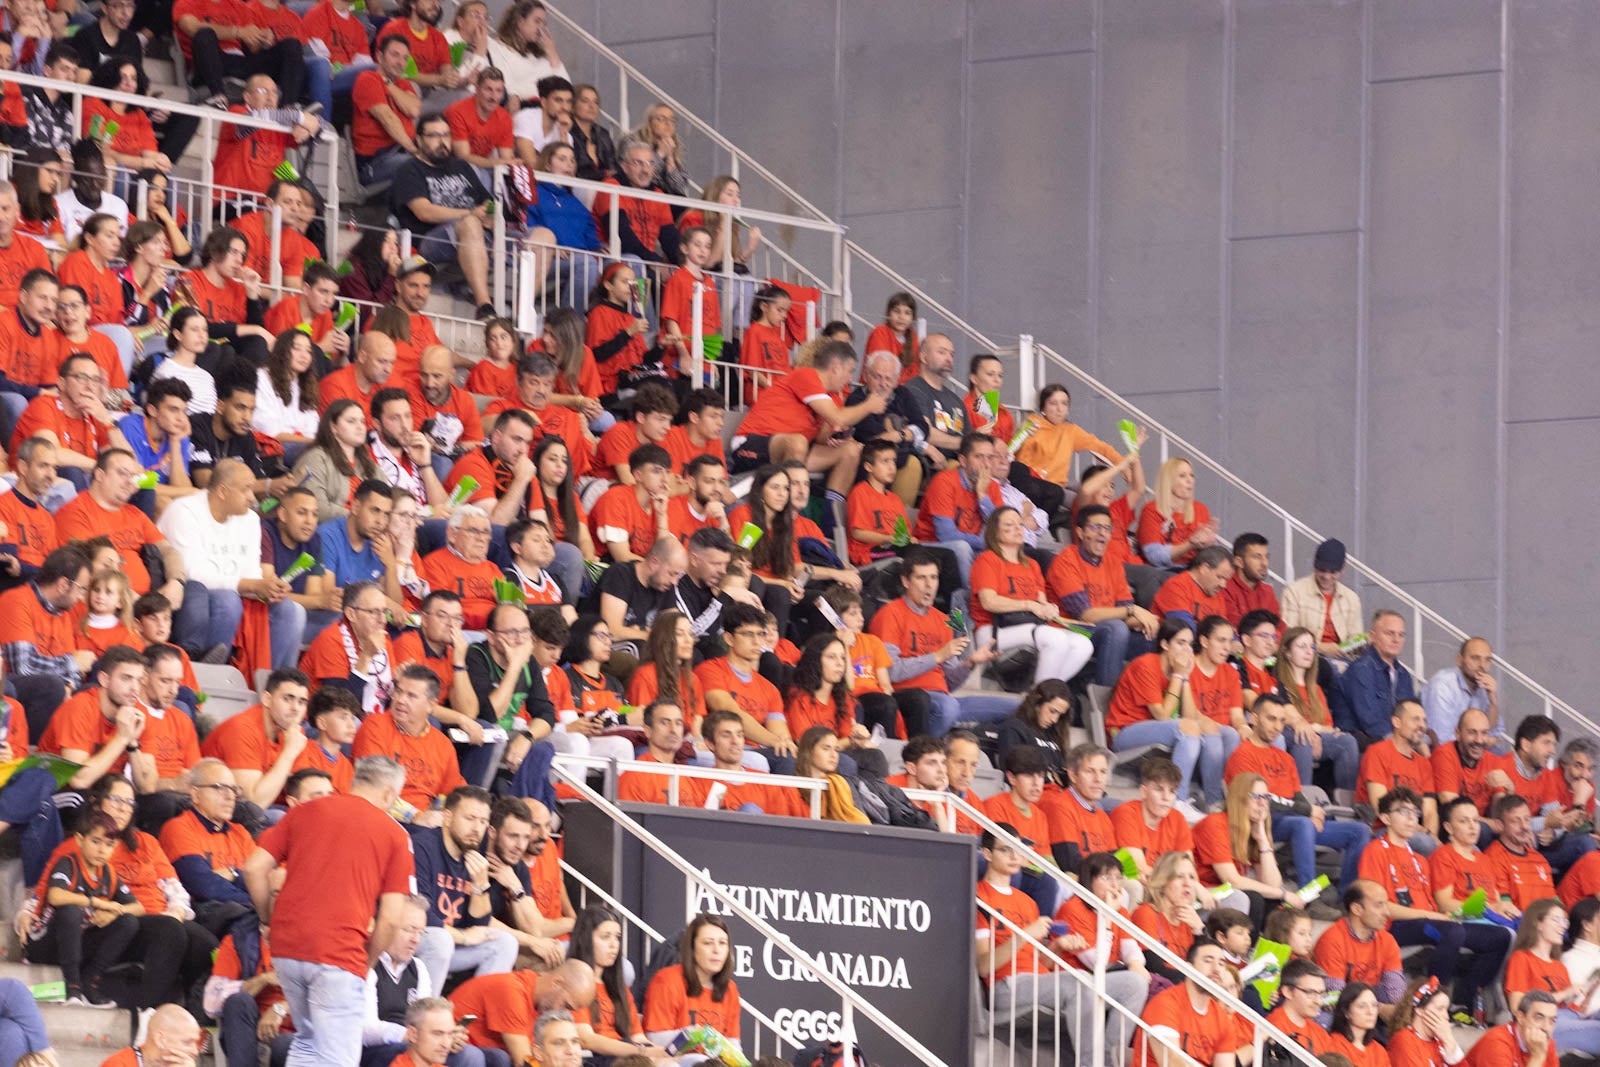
901,811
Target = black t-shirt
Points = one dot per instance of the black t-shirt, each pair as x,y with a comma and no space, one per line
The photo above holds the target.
931,409
530,693
453,183
643,603
500,897
93,48
206,449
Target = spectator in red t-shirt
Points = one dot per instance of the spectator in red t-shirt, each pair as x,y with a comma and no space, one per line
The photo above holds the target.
480,126
1009,603
209,30
646,227
1089,582
1197,591
800,417
387,105
1249,589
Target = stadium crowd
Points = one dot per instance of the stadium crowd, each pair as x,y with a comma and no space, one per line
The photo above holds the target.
448,570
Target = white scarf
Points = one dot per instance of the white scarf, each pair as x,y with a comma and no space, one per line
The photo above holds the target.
379,678
397,469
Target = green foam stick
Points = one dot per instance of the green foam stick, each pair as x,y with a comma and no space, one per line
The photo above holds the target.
1130,435
902,532
957,622
345,269
711,344
302,564
509,592
411,67
749,534
1474,906
1270,956
991,402
1312,889
595,569
457,51
1130,866
346,315
147,480
464,489
286,172
303,327
97,128
639,288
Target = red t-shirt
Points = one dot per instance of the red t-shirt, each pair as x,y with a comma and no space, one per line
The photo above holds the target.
668,1006
1525,877
429,761
128,528
1342,956
1526,972
473,582
785,406
366,135
483,136
1171,834
1502,1047
1182,593
31,528
487,379
102,285
79,725
677,303
1382,764
45,414
1239,600
912,634
242,742
1462,874
1017,907
1203,1036
755,696
1070,822
683,451
1212,845
1451,776
350,853
614,448
1105,583
293,248
1142,684
1156,529
617,516
345,35
1273,764
1020,581
23,254
948,496
1581,880
430,48
1218,695
802,711
503,1004
214,13
607,324
874,511
639,787
30,359
1397,868
246,157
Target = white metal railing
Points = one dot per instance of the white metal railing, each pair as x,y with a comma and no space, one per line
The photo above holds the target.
1108,919
852,1004
676,772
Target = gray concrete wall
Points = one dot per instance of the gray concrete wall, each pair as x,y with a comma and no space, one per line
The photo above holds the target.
1348,246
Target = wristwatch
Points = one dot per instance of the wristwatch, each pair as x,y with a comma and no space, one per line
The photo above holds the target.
281,1009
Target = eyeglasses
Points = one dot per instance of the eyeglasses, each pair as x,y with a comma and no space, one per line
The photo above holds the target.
1407,809
1260,796
1099,527
1310,992
476,531
118,802
519,634
459,620
225,788
379,612
601,635
82,376
754,635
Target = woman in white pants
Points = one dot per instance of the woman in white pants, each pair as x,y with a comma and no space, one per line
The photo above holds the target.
1010,606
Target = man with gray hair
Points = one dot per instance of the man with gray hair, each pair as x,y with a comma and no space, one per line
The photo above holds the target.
432,1037
19,253
217,534
555,1040
462,565
347,861
644,227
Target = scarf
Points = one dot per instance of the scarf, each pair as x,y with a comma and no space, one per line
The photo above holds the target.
380,679
397,468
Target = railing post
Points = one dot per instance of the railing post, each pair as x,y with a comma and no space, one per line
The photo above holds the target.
613,210
1416,643
1105,940
697,337
141,196
498,182
811,319
275,243
1027,368
847,1031
405,245
622,100
845,296
730,315
1288,550
331,203
208,152
526,314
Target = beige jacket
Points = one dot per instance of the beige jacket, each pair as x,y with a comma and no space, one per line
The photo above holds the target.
1304,606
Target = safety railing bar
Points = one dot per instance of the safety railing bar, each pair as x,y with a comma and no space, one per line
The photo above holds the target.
1063,967
765,1020
631,193
1075,888
612,902
840,989
686,770
924,301
745,159
147,103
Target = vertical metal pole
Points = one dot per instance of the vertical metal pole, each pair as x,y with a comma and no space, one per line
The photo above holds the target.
498,281
405,245
331,203
1288,550
730,315
844,283
811,319
208,152
1027,368
1097,1023
622,101
1416,640
275,241
613,211
697,338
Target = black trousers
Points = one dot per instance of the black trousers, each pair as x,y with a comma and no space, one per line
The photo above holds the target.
83,952
40,695
1488,945
176,955
285,62
880,709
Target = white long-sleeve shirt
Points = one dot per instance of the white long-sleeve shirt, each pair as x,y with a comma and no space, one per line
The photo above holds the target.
275,418
374,1031
218,555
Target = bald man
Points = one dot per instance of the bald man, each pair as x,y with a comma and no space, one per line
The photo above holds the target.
633,594
171,1039
448,415
1469,684
507,1006
366,374
218,536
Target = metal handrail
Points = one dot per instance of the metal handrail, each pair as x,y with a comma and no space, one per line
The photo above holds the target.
1108,916
147,103
853,1002
743,157
814,786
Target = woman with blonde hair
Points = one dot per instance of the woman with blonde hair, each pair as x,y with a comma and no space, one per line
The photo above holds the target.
1174,526
659,130
1170,913
1311,737
1234,847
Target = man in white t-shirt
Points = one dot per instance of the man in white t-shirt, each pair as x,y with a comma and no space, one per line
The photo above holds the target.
218,535
551,121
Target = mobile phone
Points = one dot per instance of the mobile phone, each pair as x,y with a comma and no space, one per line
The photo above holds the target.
466,1020
1058,929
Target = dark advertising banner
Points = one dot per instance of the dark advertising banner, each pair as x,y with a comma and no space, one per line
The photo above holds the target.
889,912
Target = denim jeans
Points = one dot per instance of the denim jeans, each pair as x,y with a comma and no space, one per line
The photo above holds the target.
1209,752
210,617
1566,850
328,1005
381,167
1303,838
495,954
1114,646
1338,749
322,83
948,710
21,1026
1487,942
1576,1034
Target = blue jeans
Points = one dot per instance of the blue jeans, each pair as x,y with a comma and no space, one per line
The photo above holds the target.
1338,749
25,802
947,710
1209,752
381,167
1114,646
328,1005
1575,1033
322,83
210,617
236,1032
21,1026
12,405
1301,833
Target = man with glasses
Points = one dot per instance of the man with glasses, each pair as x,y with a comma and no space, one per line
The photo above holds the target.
37,636
1088,583
463,566
76,420
439,644
247,155
1302,988
217,538
508,683
31,349
440,198
648,233
105,511
734,683
208,849
261,745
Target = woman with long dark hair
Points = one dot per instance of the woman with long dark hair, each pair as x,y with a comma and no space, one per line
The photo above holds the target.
611,1025
776,556
699,988
39,176
1355,1017
563,511
577,376
337,460
588,650
373,262
1041,721
666,671
286,389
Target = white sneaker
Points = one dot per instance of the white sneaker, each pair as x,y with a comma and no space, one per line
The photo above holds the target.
1190,813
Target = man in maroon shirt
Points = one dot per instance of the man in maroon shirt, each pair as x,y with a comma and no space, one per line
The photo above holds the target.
1249,590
